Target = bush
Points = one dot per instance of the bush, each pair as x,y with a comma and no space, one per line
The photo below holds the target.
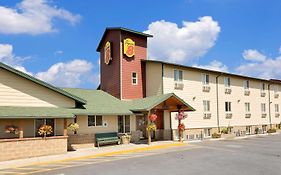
216,135
74,127
273,130
224,131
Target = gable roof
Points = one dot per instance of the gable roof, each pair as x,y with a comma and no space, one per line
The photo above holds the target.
205,70
122,29
146,104
99,103
42,83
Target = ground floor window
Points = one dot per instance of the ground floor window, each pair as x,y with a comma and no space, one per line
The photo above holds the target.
264,128
123,123
207,132
40,122
95,120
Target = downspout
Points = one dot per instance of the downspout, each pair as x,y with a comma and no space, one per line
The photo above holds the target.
269,104
217,94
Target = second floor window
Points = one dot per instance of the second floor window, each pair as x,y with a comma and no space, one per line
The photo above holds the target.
206,105
246,84
227,106
178,75
276,108
262,86
275,88
247,107
205,79
263,108
226,81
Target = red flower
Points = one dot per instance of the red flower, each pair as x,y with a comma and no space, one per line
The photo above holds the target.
152,117
181,127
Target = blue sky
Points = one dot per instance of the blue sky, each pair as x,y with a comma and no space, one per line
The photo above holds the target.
49,39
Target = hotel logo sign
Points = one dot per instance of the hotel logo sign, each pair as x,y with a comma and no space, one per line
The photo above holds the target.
107,53
129,47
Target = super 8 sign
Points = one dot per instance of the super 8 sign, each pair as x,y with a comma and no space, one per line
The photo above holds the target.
129,47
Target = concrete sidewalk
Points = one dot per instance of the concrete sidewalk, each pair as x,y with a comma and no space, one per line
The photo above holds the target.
89,152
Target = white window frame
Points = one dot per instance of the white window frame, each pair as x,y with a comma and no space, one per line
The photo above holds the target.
95,117
246,84
207,132
228,107
124,123
275,88
276,108
206,106
263,87
247,107
227,82
134,78
177,75
204,79
263,108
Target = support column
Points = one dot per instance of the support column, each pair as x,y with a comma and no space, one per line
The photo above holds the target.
65,127
21,129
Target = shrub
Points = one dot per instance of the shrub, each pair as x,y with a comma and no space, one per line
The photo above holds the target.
273,130
216,135
224,131
74,127
151,127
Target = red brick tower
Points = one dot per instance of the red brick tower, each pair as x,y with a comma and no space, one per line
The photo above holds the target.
121,71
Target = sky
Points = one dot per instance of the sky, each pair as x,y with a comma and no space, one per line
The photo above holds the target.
56,40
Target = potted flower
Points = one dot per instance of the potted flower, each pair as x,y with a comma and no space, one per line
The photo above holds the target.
11,129
151,126
125,139
45,130
74,127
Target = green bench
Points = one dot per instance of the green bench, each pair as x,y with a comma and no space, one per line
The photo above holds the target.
107,138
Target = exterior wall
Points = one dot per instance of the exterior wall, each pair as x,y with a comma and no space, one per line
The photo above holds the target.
21,148
130,65
110,74
274,118
192,93
153,79
17,91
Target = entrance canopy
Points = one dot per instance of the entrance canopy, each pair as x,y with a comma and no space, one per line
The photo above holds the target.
170,102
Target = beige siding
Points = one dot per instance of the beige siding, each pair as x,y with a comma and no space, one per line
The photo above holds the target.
17,91
153,79
192,93
275,120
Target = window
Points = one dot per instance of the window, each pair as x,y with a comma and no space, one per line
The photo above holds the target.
123,123
226,81
95,120
263,108
207,132
246,84
262,86
134,78
178,75
276,108
275,88
248,129
247,107
205,79
40,122
206,105
227,106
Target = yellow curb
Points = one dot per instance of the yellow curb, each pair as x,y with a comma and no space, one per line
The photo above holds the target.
154,147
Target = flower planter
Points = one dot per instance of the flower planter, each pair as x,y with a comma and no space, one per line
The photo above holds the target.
125,140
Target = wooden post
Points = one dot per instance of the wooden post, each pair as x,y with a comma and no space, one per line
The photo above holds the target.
148,131
21,129
65,127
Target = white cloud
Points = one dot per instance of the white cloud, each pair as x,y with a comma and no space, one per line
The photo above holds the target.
214,65
182,44
33,17
267,68
253,55
69,74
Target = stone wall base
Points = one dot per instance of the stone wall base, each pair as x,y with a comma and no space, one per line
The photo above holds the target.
31,147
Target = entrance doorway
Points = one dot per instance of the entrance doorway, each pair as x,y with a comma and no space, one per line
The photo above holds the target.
160,119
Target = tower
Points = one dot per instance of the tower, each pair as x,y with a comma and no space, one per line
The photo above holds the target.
121,70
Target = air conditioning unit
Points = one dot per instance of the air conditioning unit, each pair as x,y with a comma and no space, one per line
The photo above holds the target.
263,115
179,86
228,91
206,88
247,92
228,115
277,115
263,94
276,95
248,115
207,115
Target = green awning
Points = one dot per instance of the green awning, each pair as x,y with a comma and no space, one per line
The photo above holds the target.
34,112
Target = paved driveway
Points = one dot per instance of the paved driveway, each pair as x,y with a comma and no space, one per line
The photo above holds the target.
255,155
